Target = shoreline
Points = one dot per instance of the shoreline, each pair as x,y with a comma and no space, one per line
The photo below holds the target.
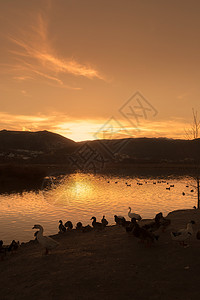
109,264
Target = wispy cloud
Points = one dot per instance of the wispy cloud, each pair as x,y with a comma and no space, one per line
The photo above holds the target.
35,57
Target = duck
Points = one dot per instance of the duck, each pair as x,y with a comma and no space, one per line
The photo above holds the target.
69,225
119,220
183,193
45,241
134,215
130,226
86,228
183,234
161,221
104,221
79,225
13,246
61,227
2,250
96,224
168,188
143,234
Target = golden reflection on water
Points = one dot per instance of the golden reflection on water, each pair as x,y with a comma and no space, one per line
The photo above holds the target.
77,197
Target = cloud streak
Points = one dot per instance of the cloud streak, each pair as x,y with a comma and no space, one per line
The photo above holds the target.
36,58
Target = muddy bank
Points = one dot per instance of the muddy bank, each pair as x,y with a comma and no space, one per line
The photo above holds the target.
108,264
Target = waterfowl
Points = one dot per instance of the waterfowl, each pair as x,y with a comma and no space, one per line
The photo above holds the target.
119,220
96,224
104,221
130,225
61,227
45,241
125,223
86,228
128,185
69,225
183,234
133,215
13,246
171,185
192,191
2,250
35,234
161,221
79,225
183,193
143,234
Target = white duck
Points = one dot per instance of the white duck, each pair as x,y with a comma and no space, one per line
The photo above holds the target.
46,242
133,215
183,234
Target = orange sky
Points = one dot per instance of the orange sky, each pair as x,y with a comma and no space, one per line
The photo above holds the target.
70,66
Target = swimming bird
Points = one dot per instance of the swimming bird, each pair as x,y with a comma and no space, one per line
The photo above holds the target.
61,227
134,215
104,221
45,241
69,225
168,188
183,193
119,220
183,234
96,224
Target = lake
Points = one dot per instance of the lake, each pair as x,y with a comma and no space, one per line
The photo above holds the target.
79,196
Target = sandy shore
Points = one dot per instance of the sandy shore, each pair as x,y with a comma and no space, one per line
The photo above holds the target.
106,265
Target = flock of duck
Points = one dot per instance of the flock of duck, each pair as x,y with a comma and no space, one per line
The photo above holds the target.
146,232
155,182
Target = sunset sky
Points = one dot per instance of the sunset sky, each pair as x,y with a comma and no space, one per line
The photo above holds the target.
84,68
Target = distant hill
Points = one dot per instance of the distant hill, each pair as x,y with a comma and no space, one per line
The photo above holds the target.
34,141
150,149
34,147
51,148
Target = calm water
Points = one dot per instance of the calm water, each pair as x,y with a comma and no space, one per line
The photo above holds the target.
78,197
